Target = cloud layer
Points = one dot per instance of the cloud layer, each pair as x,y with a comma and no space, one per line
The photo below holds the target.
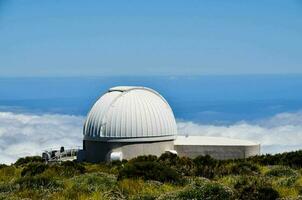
30,134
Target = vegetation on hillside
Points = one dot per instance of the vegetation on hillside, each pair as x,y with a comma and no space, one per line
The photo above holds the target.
148,177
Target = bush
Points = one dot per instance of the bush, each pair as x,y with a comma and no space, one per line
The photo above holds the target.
140,189
186,166
254,188
74,166
3,166
94,182
200,190
244,168
149,170
33,169
7,173
65,169
113,195
183,165
147,177
279,171
169,158
107,167
205,166
211,191
6,187
150,158
37,182
292,159
286,181
28,159
84,186
267,193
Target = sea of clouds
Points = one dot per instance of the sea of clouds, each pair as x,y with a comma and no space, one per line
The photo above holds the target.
30,134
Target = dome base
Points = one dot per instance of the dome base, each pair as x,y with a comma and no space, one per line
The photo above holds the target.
97,151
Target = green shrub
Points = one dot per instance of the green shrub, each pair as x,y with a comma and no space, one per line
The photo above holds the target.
7,173
94,182
205,166
145,197
149,170
211,191
65,169
183,165
37,182
4,196
29,159
33,169
114,194
205,160
200,190
3,166
150,158
72,168
114,166
100,167
84,186
292,159
140,189
73,165
286,181
279,171
244,168
147,177
117,162
6,187
169,158
254,188
267,193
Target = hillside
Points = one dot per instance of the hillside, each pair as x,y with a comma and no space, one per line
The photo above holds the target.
149,177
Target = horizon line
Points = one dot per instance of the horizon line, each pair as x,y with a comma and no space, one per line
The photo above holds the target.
158,75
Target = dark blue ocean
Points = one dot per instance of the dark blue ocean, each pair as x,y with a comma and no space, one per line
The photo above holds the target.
201,99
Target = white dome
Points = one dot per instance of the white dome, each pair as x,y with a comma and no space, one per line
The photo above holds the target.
129,114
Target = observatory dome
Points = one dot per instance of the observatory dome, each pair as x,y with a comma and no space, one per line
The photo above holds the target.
130,114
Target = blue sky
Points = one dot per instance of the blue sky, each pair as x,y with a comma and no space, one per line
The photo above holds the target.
96,38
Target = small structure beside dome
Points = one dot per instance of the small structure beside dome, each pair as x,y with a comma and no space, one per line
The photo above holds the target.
217,147
129,121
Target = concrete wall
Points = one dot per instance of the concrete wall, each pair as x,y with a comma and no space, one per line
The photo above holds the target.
218,152
96,151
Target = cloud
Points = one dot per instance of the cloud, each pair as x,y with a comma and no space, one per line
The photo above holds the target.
29,134
282,132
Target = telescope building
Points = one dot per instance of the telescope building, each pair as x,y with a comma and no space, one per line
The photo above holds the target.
128,121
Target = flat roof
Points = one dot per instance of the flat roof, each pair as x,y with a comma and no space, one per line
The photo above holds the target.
211,141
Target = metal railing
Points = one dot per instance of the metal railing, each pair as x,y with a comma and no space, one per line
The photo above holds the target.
60,154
